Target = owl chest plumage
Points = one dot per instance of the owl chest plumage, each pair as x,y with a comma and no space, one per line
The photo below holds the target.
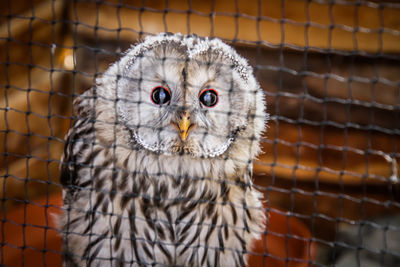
131,207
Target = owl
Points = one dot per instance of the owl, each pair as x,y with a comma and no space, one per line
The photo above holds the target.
157,167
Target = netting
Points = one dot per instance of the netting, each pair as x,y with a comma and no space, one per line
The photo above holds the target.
160,166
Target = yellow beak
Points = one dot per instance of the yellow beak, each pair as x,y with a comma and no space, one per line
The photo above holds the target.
184,126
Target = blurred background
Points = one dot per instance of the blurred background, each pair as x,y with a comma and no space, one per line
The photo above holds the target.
331,75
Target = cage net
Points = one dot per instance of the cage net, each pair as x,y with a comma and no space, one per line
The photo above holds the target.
158,166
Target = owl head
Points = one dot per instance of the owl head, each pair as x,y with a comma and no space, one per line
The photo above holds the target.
183,94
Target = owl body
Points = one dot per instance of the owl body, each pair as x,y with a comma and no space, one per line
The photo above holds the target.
157,166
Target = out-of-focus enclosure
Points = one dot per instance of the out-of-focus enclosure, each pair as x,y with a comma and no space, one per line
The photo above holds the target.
331,75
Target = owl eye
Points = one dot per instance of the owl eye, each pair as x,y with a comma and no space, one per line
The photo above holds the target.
160,95
209,97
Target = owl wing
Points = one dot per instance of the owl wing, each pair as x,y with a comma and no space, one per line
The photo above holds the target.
79,136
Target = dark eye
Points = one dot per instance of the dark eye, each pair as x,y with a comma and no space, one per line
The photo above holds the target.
160,95
209,97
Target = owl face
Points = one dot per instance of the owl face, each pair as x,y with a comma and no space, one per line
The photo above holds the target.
184,95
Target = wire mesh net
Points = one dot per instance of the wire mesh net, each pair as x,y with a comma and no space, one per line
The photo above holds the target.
328,174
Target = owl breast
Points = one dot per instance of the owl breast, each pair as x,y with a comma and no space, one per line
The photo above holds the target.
133,215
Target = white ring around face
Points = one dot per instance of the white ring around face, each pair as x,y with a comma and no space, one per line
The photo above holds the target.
160,148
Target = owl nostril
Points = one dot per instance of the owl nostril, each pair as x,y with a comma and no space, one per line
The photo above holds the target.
184,114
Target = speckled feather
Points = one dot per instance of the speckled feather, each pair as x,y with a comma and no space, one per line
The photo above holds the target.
134,195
